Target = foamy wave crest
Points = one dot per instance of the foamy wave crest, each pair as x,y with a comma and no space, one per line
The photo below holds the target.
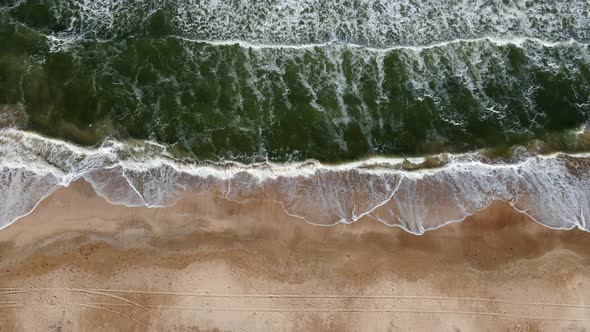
554,190
378,23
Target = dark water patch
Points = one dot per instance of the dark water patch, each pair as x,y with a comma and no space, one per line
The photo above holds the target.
332,103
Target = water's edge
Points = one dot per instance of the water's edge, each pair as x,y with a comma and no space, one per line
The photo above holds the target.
416,195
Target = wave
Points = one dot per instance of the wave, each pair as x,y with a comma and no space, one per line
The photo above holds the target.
380,23
59,42
334,102
554,190
519,41
294,80
182,72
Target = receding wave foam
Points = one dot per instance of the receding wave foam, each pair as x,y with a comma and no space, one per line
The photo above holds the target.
554,190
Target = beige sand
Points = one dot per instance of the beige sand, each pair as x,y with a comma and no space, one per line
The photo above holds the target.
80,264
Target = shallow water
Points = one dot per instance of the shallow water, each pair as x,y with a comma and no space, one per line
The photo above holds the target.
554,190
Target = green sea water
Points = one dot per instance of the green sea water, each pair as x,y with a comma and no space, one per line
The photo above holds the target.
288,80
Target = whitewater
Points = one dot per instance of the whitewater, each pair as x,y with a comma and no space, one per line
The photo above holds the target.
294,81
378,23
554,189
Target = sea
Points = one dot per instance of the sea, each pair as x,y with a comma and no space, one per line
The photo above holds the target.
412,113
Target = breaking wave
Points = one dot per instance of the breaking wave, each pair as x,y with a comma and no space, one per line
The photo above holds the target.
417,195
288,82
285,80
380,23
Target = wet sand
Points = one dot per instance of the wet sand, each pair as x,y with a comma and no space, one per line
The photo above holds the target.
78,263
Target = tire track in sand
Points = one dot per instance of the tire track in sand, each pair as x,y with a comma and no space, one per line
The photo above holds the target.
149,308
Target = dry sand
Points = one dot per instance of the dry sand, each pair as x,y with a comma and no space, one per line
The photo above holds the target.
78,263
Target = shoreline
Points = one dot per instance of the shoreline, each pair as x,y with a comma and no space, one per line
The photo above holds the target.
519,153
432,193
81,263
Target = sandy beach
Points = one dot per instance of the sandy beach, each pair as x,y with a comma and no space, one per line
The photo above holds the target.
78,263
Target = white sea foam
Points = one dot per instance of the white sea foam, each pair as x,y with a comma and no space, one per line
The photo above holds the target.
514,40
554,190
62,41
377,23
